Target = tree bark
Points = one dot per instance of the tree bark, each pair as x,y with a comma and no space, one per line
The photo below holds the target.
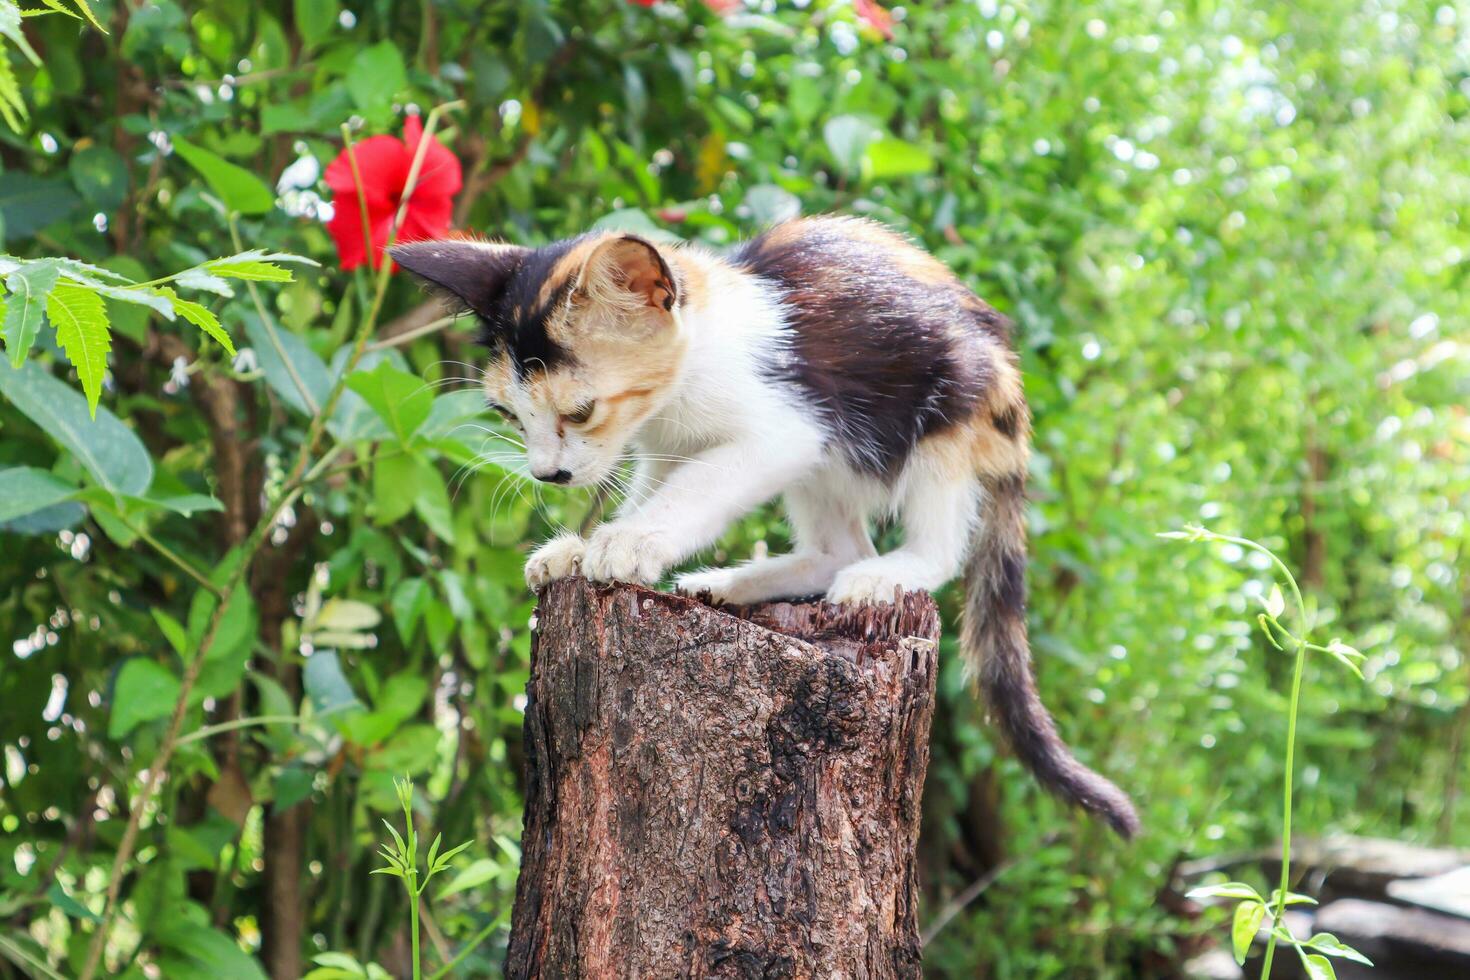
722,792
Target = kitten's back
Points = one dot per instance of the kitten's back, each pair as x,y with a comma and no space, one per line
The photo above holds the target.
885,341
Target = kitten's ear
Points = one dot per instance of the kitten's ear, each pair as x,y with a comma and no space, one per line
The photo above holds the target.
474,273
630,273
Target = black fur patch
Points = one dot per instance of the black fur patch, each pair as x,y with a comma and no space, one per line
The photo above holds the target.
517,325
873,349
501,288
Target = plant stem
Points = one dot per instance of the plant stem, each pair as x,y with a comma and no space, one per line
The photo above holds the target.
19,954
1295,703
229,726
468,948
413,928
173,556
1296,693
408,336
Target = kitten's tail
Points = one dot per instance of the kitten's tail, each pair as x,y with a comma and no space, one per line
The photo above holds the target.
994,638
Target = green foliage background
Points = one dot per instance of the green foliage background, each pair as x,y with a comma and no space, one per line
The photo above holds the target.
1231,235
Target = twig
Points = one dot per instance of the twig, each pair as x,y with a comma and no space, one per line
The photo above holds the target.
173,556
957,904
229,726
409,336
469,948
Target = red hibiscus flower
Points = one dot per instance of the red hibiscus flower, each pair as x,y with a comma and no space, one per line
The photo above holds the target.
384,162
875,16
723,7
643,3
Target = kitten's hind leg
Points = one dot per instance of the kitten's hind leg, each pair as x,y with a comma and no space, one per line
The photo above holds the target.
829,536
938,511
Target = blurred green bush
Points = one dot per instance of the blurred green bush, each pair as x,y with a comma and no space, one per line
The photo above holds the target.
1232,239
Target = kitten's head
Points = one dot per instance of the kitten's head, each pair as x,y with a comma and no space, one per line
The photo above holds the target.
583,335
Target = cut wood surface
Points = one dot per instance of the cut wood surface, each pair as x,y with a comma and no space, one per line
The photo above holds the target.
722,792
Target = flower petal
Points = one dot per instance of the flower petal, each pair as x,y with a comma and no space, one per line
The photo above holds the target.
383,162
440,172
346,230
428,217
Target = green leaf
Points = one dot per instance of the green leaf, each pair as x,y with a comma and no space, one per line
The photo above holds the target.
847,139
29,203
256,271
309,368
100,175
25,490
12,103
401,400
442,862
154,299
28,286
326,685
58,897
895,158
394,479
346,615
471,876
1247,923
340,961
1318,967
204,952
238,189
376,76
293,784
315,19
201,317
10,27
1326,942
109,450
771,203
81,326
1292,898
145,691
1230,889
187,504
199,279
431,499
174,632
86,10
409,596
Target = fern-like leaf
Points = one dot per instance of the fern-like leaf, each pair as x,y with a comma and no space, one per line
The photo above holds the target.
256,271
28,285
200,317
82,330
10,18
12,106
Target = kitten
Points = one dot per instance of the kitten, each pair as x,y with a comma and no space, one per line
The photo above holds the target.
827,361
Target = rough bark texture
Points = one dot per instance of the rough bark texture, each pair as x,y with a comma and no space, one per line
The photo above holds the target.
722,792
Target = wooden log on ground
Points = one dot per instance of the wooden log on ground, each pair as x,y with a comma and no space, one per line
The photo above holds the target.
722,792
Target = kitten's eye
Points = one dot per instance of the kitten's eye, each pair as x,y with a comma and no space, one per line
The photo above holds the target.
581,414
505,414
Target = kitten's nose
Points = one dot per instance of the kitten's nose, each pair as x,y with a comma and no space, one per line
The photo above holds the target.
560,476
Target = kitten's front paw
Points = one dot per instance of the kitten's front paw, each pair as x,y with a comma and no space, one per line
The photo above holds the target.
558,558
856,585
627,554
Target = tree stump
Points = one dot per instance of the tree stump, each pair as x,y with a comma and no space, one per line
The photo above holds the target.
722,792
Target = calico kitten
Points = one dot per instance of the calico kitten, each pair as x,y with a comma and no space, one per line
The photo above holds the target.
827,361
